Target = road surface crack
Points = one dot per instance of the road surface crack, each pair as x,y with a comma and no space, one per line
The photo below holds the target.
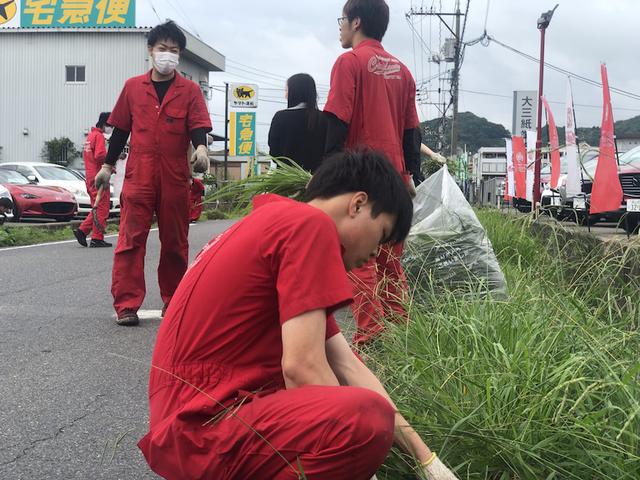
34,443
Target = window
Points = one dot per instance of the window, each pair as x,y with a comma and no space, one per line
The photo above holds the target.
56,173
75,74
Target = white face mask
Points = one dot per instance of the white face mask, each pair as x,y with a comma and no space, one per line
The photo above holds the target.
108,130
165,62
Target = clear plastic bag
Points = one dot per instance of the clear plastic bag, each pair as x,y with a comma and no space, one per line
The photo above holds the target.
447,247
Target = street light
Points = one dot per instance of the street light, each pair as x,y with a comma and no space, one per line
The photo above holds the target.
543,23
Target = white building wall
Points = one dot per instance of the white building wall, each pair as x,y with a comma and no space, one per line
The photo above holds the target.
34,94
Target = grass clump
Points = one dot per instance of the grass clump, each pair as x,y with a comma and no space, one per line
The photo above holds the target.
11,236
288,180
544,385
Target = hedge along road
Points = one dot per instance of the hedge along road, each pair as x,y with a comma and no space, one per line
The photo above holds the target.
73,383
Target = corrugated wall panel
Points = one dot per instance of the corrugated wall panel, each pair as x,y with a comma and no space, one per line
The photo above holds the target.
34,94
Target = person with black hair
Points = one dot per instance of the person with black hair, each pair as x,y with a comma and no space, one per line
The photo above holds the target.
94,153
268,386
372,102
162,111
300,132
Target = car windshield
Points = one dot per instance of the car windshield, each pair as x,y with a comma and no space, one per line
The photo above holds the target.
632,157
56,173
12,177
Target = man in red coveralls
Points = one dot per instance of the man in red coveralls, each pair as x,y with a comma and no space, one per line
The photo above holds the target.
372,97
196,192
162,111
251,377
94,153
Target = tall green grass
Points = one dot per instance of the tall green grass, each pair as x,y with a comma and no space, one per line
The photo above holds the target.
544,385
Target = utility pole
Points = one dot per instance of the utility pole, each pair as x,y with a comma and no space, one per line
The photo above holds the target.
543,23
455,74
226,130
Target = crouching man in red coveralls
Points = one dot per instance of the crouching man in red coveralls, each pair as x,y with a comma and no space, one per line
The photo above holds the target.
251,377
162,111
94,153
372,102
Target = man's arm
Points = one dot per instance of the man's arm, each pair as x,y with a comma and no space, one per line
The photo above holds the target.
117,142
411,142
337,132
304,359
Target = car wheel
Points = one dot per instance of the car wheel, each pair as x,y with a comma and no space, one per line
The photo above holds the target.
15,211
630,224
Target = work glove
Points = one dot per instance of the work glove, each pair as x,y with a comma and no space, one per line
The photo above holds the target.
103,176
439,158
436,470
200,160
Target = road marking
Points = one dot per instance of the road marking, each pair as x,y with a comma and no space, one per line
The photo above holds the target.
148,314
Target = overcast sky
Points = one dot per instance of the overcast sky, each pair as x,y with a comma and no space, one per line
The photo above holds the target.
281,38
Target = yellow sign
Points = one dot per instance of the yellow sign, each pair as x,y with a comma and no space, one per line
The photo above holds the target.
8,10
243,95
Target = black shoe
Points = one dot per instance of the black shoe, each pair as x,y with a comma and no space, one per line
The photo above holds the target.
99,244
128,318
81,237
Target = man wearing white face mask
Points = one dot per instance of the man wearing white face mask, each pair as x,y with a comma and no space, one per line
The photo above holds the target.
94,153
162,111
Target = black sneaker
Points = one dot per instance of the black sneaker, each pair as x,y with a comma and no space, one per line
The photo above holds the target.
128,318
81,237
99,244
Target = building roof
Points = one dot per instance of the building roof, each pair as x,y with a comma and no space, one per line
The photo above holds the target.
197,50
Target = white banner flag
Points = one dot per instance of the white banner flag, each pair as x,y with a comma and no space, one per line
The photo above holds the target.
511,182
574,186
531,161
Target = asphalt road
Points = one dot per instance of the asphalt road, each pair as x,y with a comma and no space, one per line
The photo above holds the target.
73,384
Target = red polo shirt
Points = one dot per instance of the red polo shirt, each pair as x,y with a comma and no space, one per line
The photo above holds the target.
222,330
375,94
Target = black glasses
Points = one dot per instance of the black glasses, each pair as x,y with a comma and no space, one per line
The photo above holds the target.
341,20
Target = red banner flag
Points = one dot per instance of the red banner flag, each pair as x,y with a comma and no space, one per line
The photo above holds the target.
519,166
606,195
554,144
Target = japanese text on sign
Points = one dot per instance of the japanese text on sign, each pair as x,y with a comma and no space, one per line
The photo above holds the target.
243,134
525,109
77,13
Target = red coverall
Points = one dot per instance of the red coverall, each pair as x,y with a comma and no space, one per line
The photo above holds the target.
374,93
222,334
94,155
197,191
156,181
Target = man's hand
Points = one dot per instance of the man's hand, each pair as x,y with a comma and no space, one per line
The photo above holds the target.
103,176
437,470
439,158
200,159
411,186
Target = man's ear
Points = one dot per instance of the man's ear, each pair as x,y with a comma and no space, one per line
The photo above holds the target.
355,24
358,200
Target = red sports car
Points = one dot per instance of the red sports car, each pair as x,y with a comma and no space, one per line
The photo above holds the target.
36,201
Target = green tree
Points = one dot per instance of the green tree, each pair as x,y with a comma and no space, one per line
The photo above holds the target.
59,150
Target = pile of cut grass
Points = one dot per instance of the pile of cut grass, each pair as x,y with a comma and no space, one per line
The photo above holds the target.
544,385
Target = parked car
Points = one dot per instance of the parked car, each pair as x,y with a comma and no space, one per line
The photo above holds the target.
37,201
629,174
50,174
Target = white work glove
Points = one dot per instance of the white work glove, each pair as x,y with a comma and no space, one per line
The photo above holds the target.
103,176
200,159
439,158
437,470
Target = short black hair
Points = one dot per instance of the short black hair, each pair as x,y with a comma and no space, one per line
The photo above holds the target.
373,14
369,171
103,119
167,31
6,203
